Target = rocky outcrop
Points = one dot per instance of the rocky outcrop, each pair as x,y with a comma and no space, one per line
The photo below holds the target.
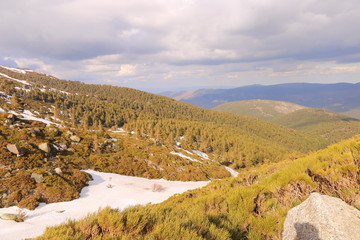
321,217
75,138
58,171
45,147
9,216
15,149
37,177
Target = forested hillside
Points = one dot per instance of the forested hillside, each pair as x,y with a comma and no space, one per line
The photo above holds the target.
251,206
249,140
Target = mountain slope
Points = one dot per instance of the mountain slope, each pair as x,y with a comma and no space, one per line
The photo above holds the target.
330,125
340,97
262,109
251,206
80,104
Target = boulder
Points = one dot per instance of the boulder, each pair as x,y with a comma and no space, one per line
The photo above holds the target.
322,217
45,147
58,170
357,202
13,148
38,177
75,138
9,216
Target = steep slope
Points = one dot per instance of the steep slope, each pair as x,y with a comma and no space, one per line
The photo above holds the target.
252,206
91,106
262,109
339,97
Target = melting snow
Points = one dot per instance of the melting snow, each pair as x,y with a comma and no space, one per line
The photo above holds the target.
184,156
119,130
16,70
20,81
232,172
201,154
126,191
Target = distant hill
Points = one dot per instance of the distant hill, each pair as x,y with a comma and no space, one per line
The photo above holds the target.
330,125
355,113
262,109
339,97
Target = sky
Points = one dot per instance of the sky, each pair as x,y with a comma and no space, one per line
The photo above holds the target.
175,44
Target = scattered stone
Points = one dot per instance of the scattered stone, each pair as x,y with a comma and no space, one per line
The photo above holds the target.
35,132
58,170
60,211
9,216
38,177
13,148
75,138
322,217
54,131
63,146
69,133
45,147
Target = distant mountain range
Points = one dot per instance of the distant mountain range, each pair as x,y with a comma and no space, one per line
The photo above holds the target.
339,97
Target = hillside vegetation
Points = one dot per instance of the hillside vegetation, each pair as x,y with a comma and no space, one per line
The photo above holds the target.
330,125
262,109
93,106
251,206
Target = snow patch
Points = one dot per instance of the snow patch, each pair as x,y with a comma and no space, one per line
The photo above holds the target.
15,69
118,130
14,79
184,156
125,191
201,154
232,172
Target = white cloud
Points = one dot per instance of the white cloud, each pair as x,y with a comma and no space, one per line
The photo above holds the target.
126,70
89,39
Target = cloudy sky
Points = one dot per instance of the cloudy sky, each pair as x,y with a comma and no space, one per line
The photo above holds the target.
164,44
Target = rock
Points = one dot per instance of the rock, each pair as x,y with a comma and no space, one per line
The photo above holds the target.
38,177
75,138
9,216
322,217
45,147
63,146
69,133
54,131
58,170
357,202
15,149
35,132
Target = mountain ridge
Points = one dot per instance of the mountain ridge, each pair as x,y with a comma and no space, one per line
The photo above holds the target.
338,97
